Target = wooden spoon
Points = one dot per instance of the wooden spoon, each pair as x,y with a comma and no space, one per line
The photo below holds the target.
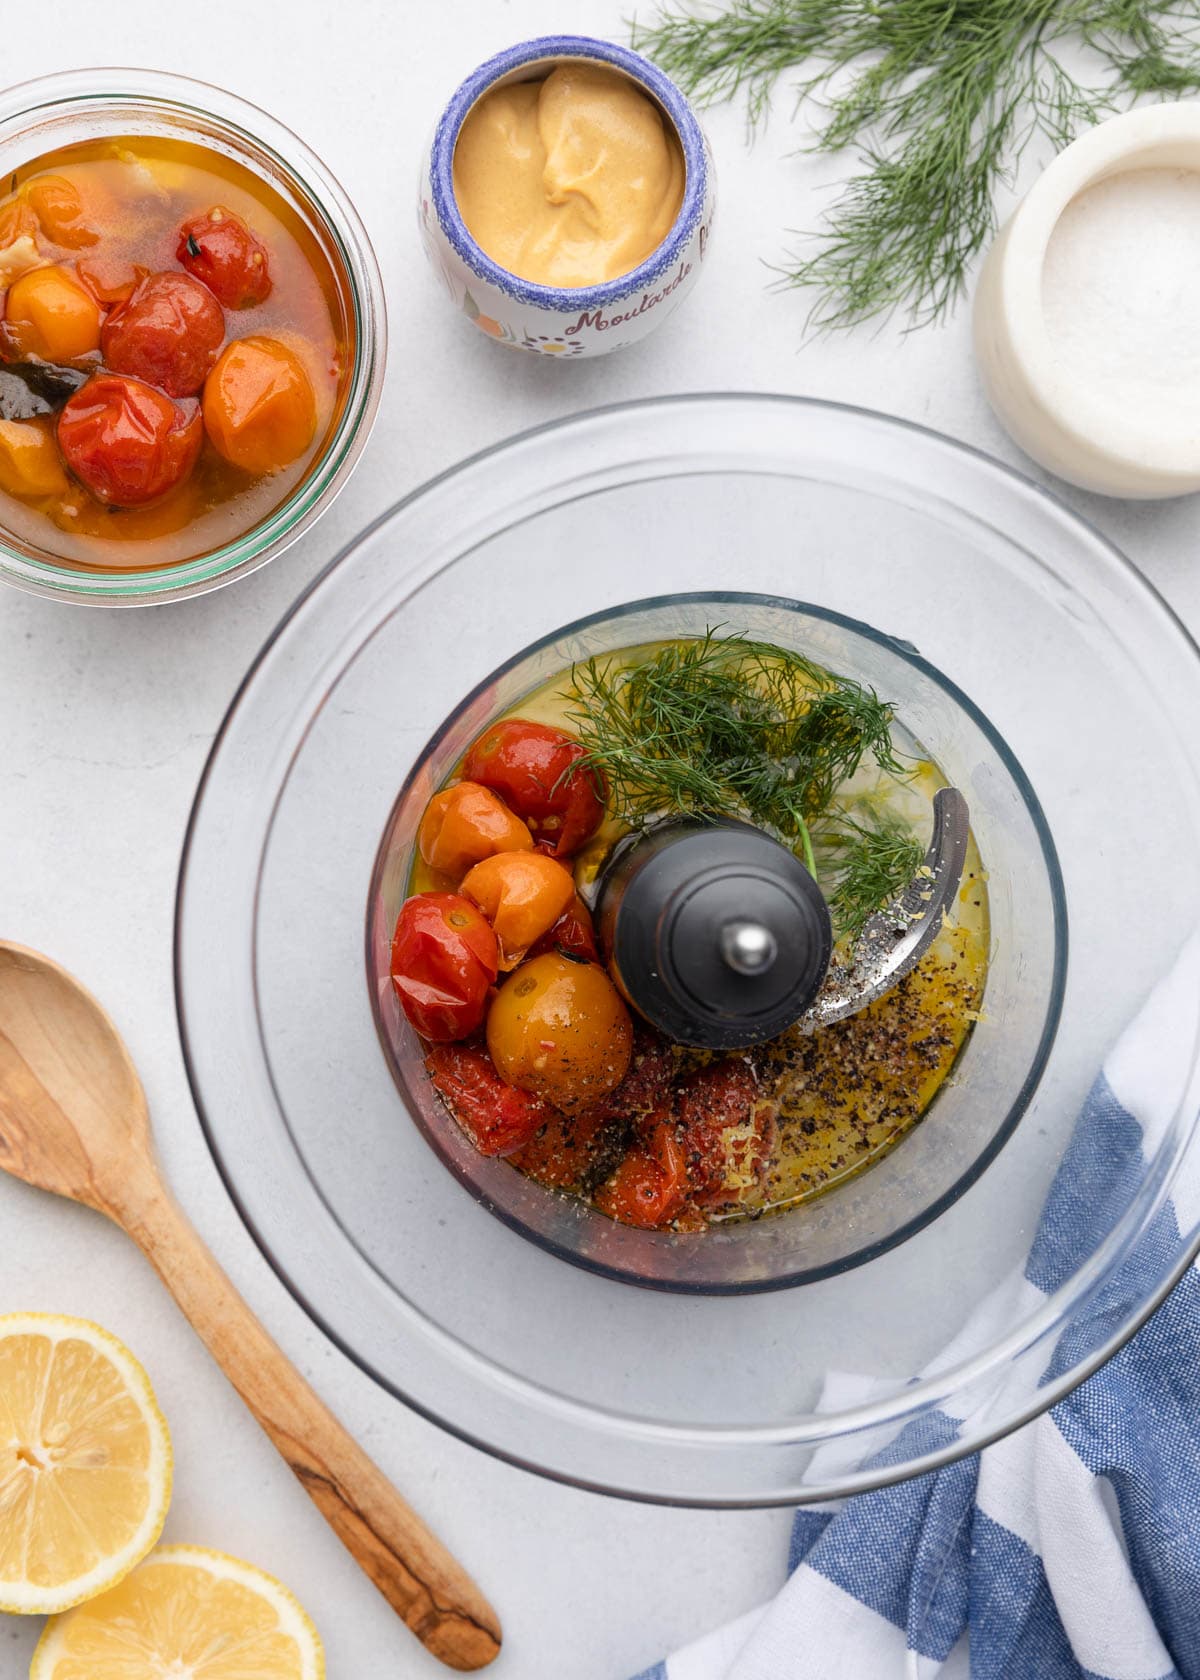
73,1119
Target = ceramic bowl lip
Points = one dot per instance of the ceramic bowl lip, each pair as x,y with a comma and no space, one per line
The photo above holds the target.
1123,143
248,129
1006,1123
564,299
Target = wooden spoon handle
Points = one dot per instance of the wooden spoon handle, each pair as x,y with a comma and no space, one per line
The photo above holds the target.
409,1565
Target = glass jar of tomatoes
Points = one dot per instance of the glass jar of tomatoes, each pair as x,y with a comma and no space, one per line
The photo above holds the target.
192,337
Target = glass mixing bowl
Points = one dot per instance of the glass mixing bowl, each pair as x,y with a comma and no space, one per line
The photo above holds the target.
41,116
1049,675
1004,1056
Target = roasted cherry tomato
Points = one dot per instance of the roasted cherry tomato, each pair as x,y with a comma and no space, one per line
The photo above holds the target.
650,1187
29,463
126,441
443,964
259,406
17,221
557,1027
169,334
724,1130
645,1092
109,279
219,249
47,313
61,210
535,770
498,1119
563,1151
571,936
522,894
466,823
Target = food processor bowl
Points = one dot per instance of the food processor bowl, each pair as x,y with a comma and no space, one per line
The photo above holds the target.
995,1074
906,1318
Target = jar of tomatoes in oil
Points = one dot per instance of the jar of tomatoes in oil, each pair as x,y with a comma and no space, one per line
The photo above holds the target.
192,337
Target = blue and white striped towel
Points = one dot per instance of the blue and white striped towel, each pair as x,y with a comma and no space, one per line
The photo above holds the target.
1071,1549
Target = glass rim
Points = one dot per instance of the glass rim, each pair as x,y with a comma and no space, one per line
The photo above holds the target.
249,128
927,1391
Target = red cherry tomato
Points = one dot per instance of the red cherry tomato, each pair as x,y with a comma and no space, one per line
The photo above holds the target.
725,1132
218,248
644,1094
169,334
443,962
571,936
496,1117
535,770
127,442
650,1187
563,1149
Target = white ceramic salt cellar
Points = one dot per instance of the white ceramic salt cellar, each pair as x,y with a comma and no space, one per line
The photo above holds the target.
1087,328
578,320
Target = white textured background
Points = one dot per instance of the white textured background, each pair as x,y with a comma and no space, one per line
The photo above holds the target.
105,719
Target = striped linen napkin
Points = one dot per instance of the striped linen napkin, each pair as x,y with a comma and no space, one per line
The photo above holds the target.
1071,1549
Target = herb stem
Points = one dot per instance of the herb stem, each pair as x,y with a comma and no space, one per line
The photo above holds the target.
938,99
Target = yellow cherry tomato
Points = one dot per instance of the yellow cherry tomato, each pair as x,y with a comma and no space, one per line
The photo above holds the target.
259,407
558,1028
522,894
465,824
29,463
51,315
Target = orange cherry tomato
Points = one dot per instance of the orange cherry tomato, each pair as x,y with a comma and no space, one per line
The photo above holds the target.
259,406
49,314
572,934
536,770
110,279
557,1027
168,334
443,965
466,823
522,894
219,249
650,1187
498,1119
725,1132
60,208
128,442
17,221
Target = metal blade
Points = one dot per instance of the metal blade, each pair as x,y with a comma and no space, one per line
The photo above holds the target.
895,938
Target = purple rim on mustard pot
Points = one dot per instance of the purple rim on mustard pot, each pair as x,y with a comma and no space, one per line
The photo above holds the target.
688,232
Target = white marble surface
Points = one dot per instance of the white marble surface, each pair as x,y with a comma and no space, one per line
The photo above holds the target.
106,719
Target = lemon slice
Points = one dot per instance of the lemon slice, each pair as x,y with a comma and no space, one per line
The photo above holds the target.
185,1614
85,1462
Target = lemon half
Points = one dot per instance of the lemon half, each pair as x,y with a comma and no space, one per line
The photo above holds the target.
85,1462
185,1614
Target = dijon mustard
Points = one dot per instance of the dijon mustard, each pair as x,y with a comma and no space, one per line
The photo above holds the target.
569,181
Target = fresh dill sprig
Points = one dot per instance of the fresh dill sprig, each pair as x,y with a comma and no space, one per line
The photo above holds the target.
725,726
938,98
864,863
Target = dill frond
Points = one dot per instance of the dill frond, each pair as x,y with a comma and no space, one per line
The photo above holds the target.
864,864
938,99
725,726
